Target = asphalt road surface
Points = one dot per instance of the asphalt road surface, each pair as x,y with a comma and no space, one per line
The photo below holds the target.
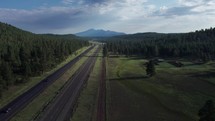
7,112
62,107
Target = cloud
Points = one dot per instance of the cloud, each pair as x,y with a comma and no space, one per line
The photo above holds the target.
84,2
123,9
207,7
175,11
199,5
140,16
126,9
68,1
187,7
195,2
191,2
76,15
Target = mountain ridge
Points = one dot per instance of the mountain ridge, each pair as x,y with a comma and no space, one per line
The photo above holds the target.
98,33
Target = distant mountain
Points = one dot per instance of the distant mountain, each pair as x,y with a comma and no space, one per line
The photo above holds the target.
98,33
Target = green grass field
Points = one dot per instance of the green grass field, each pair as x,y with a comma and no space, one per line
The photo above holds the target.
173,94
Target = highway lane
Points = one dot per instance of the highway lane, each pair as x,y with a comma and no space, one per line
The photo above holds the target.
101,105
8,111
62,107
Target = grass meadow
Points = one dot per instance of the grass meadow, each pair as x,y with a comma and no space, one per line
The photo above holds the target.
173,94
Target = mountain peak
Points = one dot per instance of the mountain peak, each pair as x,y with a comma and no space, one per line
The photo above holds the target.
98,33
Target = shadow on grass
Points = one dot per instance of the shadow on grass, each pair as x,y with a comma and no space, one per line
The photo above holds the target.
205,74
114,56
92,56
193,64
136,58
128,57
212,64
128,78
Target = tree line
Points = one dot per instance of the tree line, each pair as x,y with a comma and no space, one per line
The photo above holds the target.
194,45
24,54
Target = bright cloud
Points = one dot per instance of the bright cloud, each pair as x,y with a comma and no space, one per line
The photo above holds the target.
191,2
126,9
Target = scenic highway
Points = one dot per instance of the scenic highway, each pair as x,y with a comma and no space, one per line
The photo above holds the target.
62,107
7,112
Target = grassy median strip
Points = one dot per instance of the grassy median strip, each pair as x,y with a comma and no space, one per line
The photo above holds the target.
108,90
86,105
17,90
36,107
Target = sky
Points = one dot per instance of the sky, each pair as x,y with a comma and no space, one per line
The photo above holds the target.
129,16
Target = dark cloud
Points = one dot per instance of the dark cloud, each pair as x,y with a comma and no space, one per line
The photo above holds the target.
44,19
95,1
85,2
55,20
52,19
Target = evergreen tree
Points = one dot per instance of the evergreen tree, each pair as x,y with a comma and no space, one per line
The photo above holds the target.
105,51
6,73
2,83
194,45
207,112
24,54
150,68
